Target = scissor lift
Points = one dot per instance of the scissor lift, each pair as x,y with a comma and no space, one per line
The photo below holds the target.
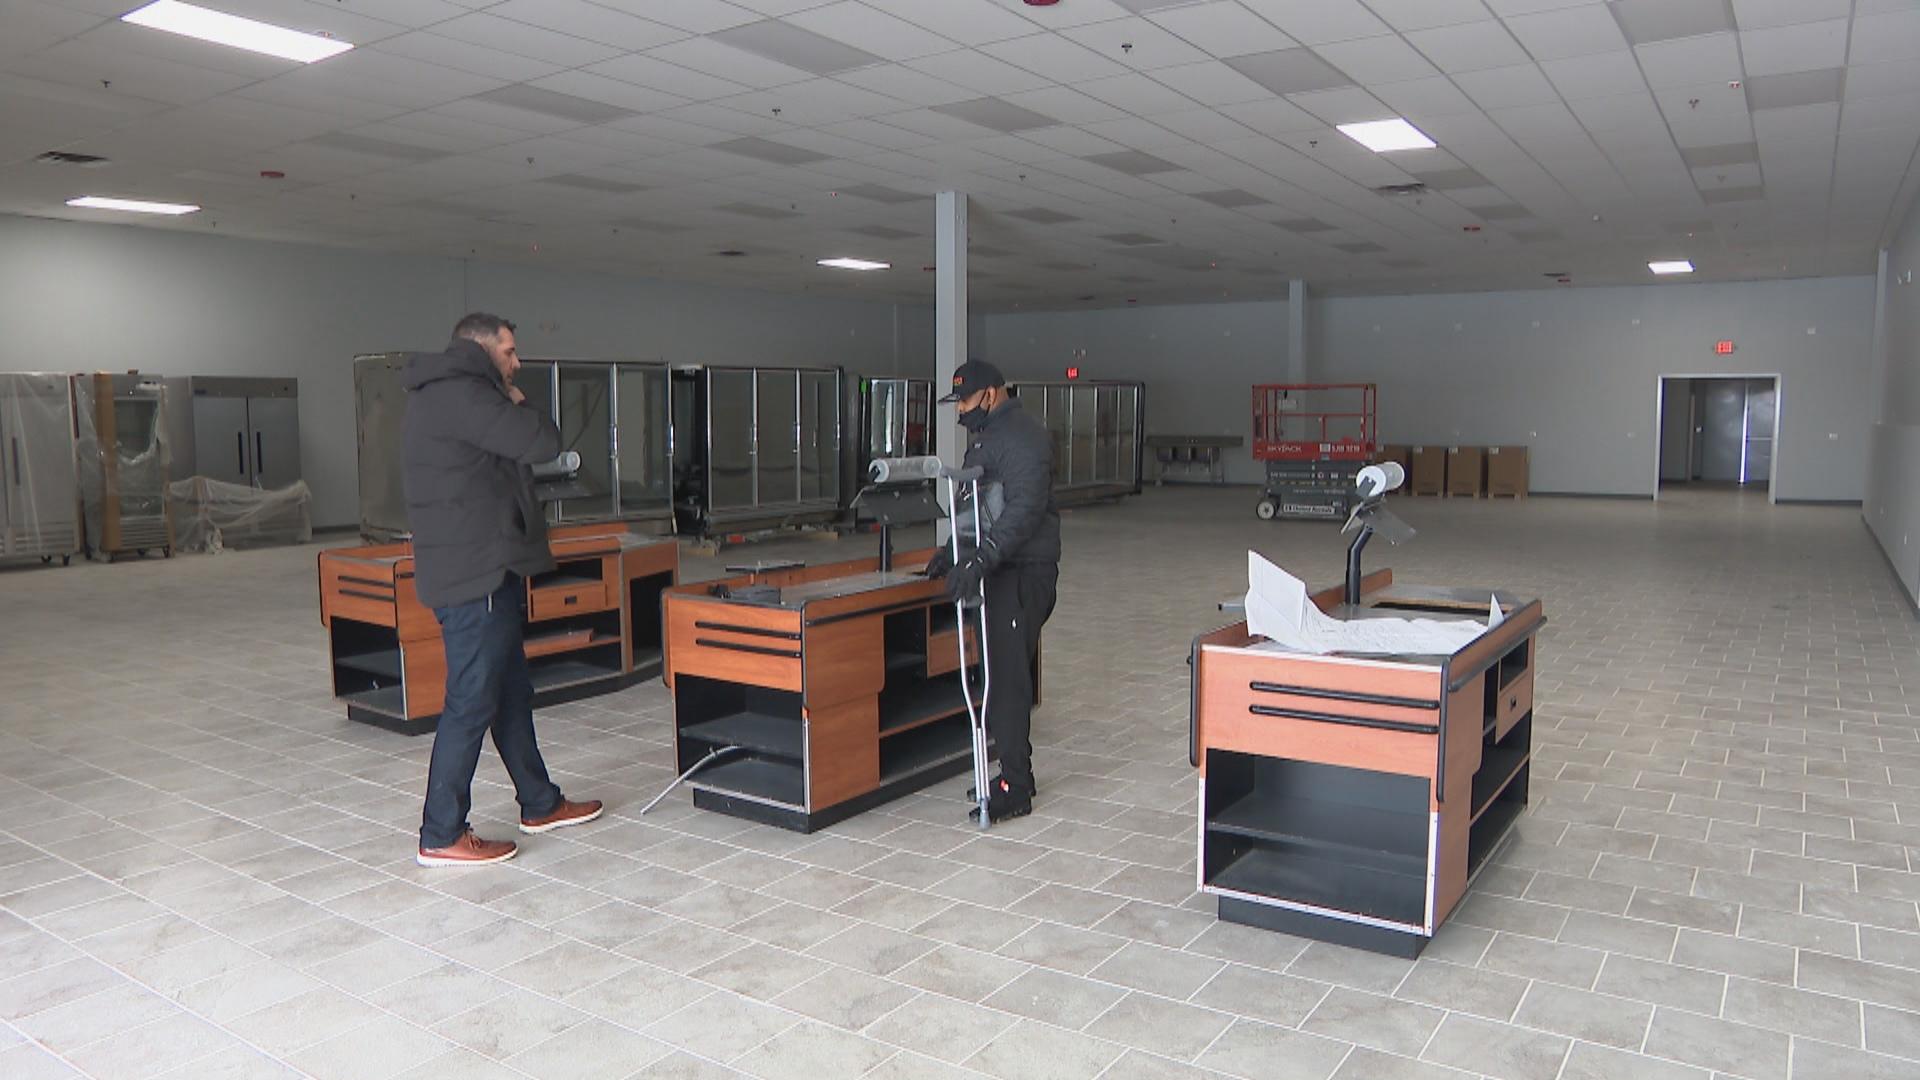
1315,438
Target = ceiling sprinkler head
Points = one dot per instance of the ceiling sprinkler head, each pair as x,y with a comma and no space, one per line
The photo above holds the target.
1733,84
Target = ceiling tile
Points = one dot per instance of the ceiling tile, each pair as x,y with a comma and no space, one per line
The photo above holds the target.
493,32
1469,46
1223,28
1424,14
1508,212
1417,98
1577,31
1275,117
795,47
693,16
1882,38
1042,216
1800,88
1617,111
1786,49
1722,196
1055,58
1882,80
1304,225
705,54
462,56
969,22
768,150
1289,71
1760,14
997,114
592,22
385,148
1508,87
1689,61
1211,82
868,27
1132,239
560,106
1377,60
1700,157
1133,162
983,74
1231,199
1648,21
624,95
1317,22
1598,75
1135,43
756,210
1348,105
1138,95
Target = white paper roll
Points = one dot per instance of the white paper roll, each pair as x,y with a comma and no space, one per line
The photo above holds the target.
903,470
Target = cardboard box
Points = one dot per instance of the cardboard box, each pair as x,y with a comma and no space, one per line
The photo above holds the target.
1394,452
1426,470
1507,471
1464,470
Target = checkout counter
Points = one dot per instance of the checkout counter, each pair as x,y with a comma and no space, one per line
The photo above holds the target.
805,695
1352,799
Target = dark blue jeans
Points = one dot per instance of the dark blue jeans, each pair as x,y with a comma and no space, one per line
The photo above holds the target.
488,690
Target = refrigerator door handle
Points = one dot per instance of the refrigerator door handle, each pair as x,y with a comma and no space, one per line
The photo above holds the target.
16,460
259,460
240,453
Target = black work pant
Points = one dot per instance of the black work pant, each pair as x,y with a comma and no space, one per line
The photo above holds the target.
488,690
1019,599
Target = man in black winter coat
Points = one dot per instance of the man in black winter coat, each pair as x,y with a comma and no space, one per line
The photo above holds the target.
468,443
1019,560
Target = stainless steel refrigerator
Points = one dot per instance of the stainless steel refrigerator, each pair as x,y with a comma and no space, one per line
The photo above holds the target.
39,485
237,429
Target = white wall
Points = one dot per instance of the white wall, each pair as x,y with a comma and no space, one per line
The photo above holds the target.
1580,387
77,297
1892,506
1198,361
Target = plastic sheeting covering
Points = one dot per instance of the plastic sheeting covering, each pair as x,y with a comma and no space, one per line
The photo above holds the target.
130,474
39,497
212,515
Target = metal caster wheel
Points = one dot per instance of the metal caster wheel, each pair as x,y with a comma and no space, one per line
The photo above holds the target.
142,552
166,552
1265,509
66,560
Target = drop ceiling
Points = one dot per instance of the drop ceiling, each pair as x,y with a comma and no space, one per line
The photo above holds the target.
1127,150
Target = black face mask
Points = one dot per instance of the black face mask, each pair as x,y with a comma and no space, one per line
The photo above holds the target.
975,419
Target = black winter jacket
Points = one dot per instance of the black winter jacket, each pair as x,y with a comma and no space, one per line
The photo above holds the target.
1015,451
466,450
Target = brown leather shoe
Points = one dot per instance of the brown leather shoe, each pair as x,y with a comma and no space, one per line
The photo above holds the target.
567,813
469,850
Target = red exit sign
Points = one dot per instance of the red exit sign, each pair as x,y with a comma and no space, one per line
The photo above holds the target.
1723,348
1073,373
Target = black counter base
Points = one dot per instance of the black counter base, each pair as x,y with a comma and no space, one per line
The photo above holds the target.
559,695
1305,924
802,822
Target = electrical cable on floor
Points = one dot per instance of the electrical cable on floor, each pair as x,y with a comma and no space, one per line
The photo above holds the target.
682,778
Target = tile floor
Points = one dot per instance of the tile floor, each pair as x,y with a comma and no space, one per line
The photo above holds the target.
206,871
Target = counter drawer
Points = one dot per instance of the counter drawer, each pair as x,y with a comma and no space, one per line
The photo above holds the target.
560,601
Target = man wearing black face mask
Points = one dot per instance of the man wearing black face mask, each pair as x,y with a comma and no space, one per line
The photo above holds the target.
1019,560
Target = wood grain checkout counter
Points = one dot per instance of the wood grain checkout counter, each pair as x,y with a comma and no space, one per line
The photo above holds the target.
824,690
593,623
1352,799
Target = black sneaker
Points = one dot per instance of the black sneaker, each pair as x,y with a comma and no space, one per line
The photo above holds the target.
1004,803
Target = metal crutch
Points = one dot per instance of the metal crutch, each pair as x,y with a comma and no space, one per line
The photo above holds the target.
976,710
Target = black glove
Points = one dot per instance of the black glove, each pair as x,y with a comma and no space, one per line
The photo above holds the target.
940,564
963,581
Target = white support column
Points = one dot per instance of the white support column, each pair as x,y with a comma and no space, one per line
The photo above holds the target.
950,315
1297,331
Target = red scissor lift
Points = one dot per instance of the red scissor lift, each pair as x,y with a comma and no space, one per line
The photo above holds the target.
1315,438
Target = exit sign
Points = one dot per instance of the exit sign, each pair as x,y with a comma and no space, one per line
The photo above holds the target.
1723,348
1073,373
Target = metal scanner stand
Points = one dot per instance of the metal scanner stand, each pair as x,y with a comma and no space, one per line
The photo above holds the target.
1371,516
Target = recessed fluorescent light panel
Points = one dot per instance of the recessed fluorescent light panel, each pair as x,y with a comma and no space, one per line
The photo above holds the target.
1674,266
134,206
1381,136
192,21
855,264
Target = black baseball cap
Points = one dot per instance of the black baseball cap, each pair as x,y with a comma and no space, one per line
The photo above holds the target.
972,377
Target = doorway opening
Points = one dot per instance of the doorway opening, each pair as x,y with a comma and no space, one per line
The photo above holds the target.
1718,432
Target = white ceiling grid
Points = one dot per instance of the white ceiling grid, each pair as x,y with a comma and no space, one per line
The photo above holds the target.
1152,149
